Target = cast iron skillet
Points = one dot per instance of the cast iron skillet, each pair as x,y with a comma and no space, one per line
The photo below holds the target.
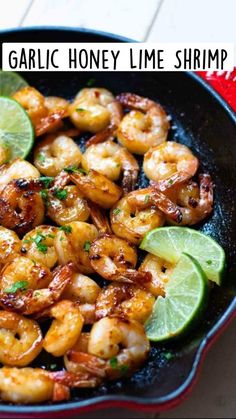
204,122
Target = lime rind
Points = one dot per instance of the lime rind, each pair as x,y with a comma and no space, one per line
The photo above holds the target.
169,243
16,129
184,303
10,82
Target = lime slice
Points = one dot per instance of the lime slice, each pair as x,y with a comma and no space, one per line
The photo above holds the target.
169,242
16,130
10,82
183,304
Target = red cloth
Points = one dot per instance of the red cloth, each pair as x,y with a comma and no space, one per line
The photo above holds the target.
224,82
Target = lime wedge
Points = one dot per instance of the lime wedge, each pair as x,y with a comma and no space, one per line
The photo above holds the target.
169,242
16,130
10,82
183,304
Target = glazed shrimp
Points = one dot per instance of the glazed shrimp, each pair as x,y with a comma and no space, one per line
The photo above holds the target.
38,245
65,203
10,245
115,259
21,206
167,160
84,291
25,272
54,153
17,169
144,127
136,214
195,202
105,358
99,219
94,109
30,300
73,243
109,159
160,270
45,114
65,328
97,188
125,301
21,350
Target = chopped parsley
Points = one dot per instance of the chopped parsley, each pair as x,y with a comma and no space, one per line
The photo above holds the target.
60,193
81,110
90,82
41,158
116,211
71,169
146,199
44,196
114,363
17,286
41,247
168,356
209,262
51,236
170,182
81,170
87,245
46,180
53,366
67,229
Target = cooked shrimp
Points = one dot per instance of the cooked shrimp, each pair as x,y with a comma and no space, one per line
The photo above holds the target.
97,188
10,245
125,301
99,219
65,328
45,113
54,153
111,160
21,206
4,153
20,339
38,245
160,270
84,291
17,169
30,300
144,127
167,160
136,214
116,347
73,243
195,202
25,385
22,274
94,109
66,203
115,259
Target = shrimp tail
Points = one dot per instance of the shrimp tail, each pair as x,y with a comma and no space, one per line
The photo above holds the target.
171,182
79,380
101,136
167,206
60,392
99,219
87,362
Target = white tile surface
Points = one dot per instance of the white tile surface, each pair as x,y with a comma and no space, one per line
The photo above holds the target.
195,21
12,12
131,18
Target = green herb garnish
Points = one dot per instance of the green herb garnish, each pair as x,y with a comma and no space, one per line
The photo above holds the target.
87,245
116,211
53,366
81,170
46,180
71,169
168,356
170,182
146,199
90,82
67,229
38,241
60,193
114,363
17,286
41,158
80,110
209,262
